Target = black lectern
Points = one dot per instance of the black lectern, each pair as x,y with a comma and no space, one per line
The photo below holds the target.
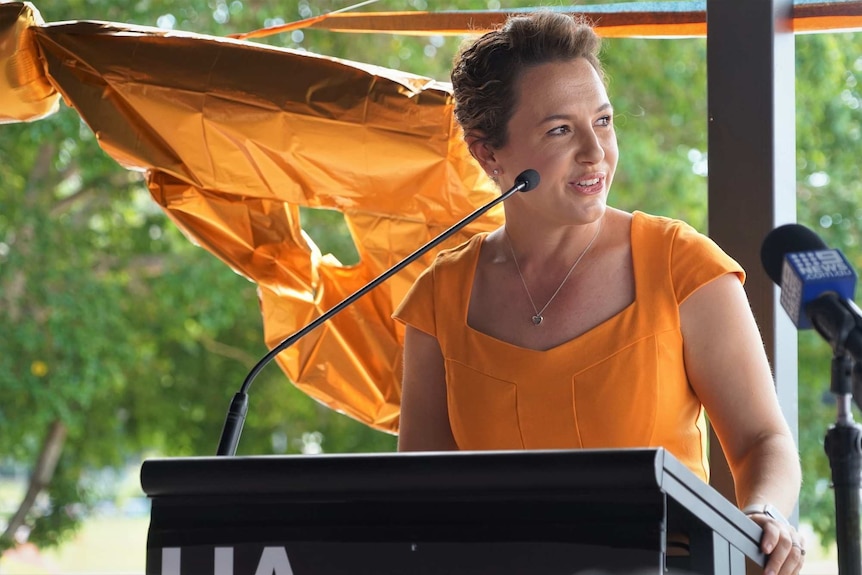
526,512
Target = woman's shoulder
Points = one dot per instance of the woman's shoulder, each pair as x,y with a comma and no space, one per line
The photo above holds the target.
666,233
691,258
461,254
663,225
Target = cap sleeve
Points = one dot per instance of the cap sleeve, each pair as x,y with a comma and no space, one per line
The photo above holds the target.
417,307
696,260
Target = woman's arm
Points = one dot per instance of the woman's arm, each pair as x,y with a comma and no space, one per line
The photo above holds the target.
424,424
729,371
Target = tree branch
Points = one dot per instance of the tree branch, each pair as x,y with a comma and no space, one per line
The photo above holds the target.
227,351
41,477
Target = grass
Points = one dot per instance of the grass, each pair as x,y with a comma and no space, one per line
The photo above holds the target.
104,546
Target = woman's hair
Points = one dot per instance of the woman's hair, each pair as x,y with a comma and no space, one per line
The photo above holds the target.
486,71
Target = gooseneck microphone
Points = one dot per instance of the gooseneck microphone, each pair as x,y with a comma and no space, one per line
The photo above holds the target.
817,285
526,181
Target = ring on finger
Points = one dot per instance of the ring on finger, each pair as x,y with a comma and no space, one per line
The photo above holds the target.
798,546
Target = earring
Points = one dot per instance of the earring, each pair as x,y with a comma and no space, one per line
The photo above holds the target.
496,172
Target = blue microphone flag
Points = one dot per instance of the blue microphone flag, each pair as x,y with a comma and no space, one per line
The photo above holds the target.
807,275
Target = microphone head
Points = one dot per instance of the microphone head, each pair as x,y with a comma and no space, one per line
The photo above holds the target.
783,240
529,179
805,268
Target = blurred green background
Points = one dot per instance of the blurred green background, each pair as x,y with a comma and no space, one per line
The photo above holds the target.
126,341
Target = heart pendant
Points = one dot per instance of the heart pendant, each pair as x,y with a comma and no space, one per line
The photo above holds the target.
537,319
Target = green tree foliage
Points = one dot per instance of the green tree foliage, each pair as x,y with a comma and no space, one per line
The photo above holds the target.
119,329
829,143
658,89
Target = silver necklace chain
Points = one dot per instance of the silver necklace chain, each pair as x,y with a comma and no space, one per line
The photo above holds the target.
538,318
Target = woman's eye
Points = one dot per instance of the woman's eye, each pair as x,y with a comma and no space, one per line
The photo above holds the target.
559,130
604,121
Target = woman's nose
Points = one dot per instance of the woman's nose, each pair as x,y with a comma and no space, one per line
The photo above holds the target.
589,150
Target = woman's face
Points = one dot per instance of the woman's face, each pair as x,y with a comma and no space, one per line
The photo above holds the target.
563,128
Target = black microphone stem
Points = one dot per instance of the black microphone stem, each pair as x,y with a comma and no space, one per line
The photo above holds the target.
239,405
838,321
843,446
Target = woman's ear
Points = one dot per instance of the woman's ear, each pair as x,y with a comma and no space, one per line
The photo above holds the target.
483,152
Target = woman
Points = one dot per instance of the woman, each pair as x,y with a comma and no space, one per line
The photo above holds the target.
577,325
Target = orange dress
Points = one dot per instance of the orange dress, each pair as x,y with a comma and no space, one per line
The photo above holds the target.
620,385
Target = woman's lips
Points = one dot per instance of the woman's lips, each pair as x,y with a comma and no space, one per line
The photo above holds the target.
591,185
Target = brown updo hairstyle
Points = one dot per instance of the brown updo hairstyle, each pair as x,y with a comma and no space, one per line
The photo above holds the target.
486,70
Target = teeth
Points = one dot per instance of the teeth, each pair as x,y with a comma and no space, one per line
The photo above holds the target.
592,182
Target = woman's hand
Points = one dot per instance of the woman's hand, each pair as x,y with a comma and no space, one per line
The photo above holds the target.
782,543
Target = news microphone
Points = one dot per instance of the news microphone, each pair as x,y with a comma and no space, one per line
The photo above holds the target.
526,181
804,268
817,285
